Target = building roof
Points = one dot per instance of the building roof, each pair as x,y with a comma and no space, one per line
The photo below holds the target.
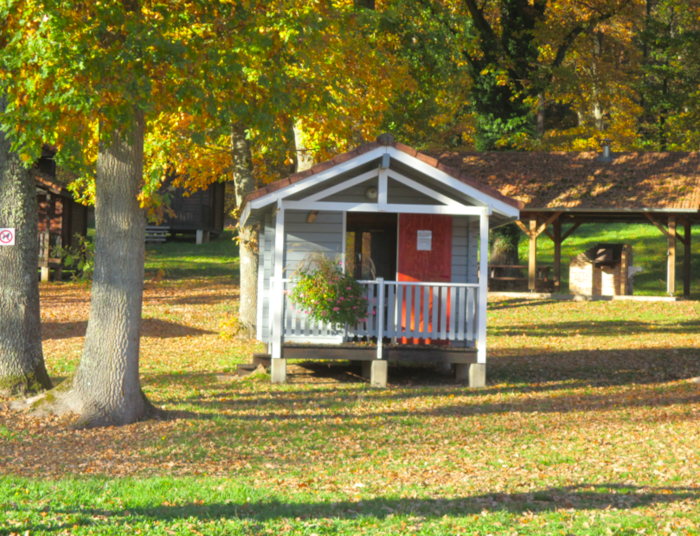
383,141
565,180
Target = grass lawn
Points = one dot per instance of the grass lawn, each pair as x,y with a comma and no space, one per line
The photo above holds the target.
649,247
589,425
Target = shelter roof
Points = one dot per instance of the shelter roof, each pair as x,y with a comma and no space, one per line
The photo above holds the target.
630,181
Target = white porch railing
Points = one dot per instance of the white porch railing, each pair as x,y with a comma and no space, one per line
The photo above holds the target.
401,310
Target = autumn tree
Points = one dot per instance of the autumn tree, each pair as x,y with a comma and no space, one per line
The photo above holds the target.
22,368
304,86
89,78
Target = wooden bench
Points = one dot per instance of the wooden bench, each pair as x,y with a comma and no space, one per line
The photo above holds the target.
542,279
156,234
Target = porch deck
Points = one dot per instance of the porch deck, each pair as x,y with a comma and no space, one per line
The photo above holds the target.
405,353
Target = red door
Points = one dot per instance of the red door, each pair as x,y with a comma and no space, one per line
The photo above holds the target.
425,255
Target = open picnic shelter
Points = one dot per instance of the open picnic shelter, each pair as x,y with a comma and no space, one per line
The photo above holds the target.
563,190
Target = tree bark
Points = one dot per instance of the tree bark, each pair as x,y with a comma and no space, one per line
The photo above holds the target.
304,159
106,390
244,181
22,368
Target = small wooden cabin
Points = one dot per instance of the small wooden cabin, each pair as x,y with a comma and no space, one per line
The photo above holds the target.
201,213
61,218
414,233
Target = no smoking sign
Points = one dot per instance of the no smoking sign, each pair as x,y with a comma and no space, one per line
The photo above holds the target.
7,237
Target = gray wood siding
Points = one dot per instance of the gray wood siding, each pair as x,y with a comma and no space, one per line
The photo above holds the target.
460,246
397,193
354,194
325,234
267,263
473,258
401,194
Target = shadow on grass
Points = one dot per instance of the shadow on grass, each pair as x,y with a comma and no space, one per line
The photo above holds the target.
150,328
548,500
598,328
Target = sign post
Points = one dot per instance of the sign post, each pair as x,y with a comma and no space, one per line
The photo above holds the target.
7,237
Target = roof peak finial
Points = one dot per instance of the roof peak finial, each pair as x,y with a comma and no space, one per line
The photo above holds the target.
386,139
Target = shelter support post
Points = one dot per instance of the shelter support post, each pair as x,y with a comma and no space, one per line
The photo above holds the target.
671,281
532,257
557,254
532,233
686,257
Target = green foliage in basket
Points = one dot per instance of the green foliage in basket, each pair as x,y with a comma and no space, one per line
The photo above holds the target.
324,293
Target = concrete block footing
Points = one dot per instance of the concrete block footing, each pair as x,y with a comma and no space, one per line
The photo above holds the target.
202,237
379,373
45,274
278,370
477,375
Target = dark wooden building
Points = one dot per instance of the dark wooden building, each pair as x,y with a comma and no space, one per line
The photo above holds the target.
200,213
61,218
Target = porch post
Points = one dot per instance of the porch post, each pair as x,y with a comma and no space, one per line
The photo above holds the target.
279,372
380,315
483,285
557,255
671,281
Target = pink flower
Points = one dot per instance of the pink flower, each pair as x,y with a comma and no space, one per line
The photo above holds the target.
336,308
362,320
340,263
355,307
341,299
348,288
323,312
374,312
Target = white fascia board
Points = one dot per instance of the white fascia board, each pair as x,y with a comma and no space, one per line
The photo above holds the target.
245,215
317,178
455,210
443,177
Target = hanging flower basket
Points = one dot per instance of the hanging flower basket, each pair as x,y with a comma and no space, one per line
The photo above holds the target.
324,293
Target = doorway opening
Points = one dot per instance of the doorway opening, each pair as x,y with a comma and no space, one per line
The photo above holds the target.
370,245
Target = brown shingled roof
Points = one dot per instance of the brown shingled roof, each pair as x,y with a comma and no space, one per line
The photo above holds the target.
579,180
384,140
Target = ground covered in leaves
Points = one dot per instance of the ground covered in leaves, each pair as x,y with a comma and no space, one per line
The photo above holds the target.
589,425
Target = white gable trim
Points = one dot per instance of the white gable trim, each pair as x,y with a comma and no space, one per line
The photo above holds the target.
311,181
443,177
455,210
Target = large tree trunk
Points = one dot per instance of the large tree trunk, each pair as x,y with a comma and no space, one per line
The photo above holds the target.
22,367
244,181
105,389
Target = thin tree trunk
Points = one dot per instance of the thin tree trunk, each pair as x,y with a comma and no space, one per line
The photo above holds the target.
244,181
304,159
106,389
22,368
540,114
